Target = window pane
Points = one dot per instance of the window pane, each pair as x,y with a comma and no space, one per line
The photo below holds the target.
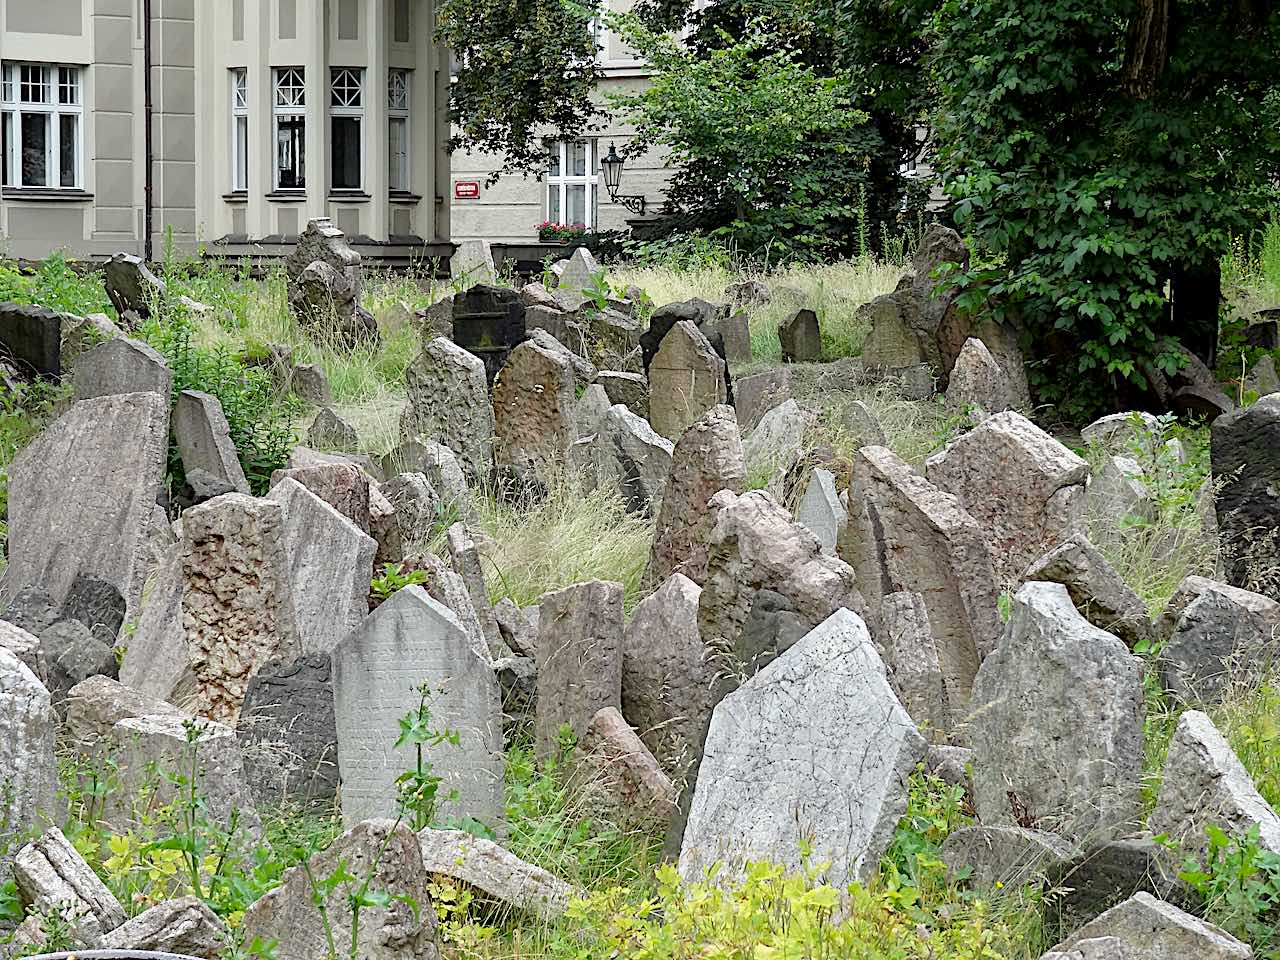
345,148
68,85
398,153
35,84
68,139
553,203
9,147
577,159
291,133
577,203
240,175
554,169
35,144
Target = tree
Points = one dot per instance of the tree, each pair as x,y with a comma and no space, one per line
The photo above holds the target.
770,156
1102,153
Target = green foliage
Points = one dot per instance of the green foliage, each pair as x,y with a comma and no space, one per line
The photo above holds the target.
1240,883
526,70
261,421
394,579
419,788
1093,173
55,285
770,155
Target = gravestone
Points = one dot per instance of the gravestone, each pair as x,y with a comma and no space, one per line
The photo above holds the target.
449,403
472,260
978,382
1246,463
820,509
632,460
909,535
815,747
630,389
52,876
777,440
756,395
324,278
800,338
533,412
667,675
204,439
464,557
489,322
309,382
616,777
1024,488
96,705
1086,786
686,379
31,338
80,334
417,511
1225,636
132,288
82,497
735,330
328,431
411,640
157,662
996,857
288,734
1097,590
705,460
237,604
28,767
185,926
122,365
911,657
98,605
1144,928
579,658
863,425
496,874
1118,433
1118,489
342,485
330,566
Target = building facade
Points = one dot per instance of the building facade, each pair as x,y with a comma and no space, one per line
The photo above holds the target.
264,114
571,190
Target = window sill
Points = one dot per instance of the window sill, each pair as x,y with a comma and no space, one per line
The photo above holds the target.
44,194
349,196
236,196
288,196
404,196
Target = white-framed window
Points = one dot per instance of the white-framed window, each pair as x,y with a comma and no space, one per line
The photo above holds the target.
346,123
573,179
43,126
290,109
398,86
239,130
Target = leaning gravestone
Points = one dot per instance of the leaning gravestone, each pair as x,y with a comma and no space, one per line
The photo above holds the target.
820,509
132,288
1226,634
800,338
1054,672
288,733
330,567
28,767
324,281
237,604
449,402
815,748
1025,489
411,640
686,379
533,412
1246,462
204,439
909,535
122,366
157,662
978,383
632,460
82,497
31,338
472,261
579,656
1144,928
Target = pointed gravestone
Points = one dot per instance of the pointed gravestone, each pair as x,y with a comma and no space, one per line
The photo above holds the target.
237,604
449,403
706,460
410,640
686,379
977,382
82,497
814,748
122,366
579,656
800,338
1026,772
820,509
328,431
1025,489
905,533
204,439
533,411
330,567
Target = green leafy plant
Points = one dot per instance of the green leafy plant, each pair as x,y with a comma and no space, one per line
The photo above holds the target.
394,579
419,788
1240,883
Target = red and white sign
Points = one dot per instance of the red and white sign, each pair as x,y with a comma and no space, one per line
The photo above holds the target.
466,189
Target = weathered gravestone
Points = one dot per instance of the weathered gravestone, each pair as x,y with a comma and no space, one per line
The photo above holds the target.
330,566
1246,462
705,460
28,767
82,497
667,675
909,535
287,731
237,604
978,382
631,459
132,288
533,412
204,439
449,403
1224,634
579,657
800,338
494,873
704,315
756,395
31,338
616,777
329,431
344,486
464,557
911,657
1053,672
185,926
409,641
777,440
157,662
122,366
489,322
324,279
815,747
417,511
820,509
1144,928
96,705
1024,488
686,379
1097,590
472,260
630,389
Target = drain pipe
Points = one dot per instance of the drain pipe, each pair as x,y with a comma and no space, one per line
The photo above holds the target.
147,147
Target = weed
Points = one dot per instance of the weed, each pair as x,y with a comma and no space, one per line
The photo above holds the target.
1239,881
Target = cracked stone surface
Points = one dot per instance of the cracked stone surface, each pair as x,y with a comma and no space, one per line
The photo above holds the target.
449,404
1151,929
